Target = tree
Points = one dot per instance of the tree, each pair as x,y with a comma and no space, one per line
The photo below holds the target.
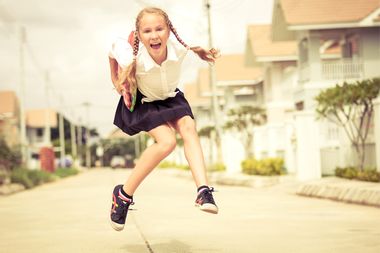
243,119
350,106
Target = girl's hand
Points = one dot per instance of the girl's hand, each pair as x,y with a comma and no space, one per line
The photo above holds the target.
120,89
127,97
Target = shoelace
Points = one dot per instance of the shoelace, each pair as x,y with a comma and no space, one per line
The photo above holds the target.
207,194
115,205
123,210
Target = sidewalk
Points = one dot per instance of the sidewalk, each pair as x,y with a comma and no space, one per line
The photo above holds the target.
338,189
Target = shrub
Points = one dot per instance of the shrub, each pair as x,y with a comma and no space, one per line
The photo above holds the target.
370,175
264,167
171,165
167,164
9,158
39,176
216,167
20,176
66,172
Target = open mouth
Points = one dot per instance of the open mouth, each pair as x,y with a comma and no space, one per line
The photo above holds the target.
155,45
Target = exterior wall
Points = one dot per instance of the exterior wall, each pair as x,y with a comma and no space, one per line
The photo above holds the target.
377,132
275,139
370,51
9,131
308,157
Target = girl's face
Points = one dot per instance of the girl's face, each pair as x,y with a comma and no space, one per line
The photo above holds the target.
154,34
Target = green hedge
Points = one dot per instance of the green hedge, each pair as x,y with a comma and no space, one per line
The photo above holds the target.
370,175
264,167
31,178
172,165
66,172
216,167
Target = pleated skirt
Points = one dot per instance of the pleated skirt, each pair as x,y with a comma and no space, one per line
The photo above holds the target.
149,115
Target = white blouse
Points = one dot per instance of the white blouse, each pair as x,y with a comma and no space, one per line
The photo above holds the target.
155,82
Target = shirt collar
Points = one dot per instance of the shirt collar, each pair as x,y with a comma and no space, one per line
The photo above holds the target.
148,61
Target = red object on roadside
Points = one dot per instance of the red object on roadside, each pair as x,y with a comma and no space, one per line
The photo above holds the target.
47,158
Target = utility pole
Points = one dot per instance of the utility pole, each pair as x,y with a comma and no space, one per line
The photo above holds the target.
215,103
88,154
23,140
62,136
47,132
80,142
74,153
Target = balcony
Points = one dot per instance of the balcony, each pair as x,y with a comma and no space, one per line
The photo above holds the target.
342,69
339,70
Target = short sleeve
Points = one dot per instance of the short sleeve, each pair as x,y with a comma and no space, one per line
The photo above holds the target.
122,52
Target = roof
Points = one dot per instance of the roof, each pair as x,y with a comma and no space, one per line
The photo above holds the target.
36,118
232,67
260,40
8,103
193,96
229,70
302,12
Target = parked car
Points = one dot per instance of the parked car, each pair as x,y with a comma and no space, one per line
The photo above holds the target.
117,162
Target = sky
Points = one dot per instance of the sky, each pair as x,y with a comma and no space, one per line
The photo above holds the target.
67,42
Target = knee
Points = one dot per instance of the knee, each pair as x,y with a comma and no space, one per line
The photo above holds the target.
167,145
187,128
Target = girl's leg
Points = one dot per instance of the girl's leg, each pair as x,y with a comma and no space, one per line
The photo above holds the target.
165,143
185,126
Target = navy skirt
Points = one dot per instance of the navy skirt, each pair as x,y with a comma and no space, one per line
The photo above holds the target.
150,115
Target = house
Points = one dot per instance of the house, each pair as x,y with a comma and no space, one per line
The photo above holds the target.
36,119
9,118
278,59
336,41
236,85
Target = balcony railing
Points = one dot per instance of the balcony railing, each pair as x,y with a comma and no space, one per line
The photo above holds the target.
342,69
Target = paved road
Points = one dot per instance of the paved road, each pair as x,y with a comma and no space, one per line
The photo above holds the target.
71,215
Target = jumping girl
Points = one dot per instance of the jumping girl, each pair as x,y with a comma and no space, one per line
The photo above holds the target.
147,77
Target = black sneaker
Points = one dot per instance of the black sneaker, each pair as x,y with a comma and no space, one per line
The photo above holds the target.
205,201
119,208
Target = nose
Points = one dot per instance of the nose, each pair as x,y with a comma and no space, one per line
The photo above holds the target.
154,35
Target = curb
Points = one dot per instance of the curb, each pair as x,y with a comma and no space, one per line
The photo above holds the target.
223,178
8,189
344,190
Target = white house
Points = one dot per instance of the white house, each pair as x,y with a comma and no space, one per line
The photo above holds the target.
336,41
279,61
237,84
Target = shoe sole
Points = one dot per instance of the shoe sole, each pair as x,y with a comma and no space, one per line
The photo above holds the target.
208,208
116,226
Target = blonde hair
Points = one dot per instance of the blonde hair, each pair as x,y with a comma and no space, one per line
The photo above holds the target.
128,76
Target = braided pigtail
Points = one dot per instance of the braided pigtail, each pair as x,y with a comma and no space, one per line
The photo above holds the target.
128,76
206,55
